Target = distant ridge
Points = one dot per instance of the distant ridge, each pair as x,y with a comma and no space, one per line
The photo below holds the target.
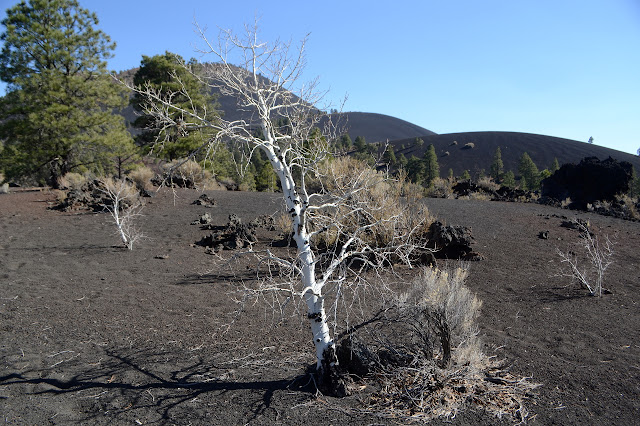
376,127
542,150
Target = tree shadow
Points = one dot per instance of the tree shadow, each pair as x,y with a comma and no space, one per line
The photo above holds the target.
152,384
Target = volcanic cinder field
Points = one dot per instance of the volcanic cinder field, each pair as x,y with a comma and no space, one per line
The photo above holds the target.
91,333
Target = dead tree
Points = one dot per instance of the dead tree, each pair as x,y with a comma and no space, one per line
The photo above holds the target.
295,136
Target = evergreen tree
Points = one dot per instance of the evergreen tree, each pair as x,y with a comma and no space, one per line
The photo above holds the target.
419,142
360,144
497,167
465,175
450,174
415,169
167,74
57,115
555,166
431,167
402,161
345,142
530,177
509,179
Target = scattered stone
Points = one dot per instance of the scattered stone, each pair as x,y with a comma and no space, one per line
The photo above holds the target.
161,256
205,200
205,219
233,236
544,235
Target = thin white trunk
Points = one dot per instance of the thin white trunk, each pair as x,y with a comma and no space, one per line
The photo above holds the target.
312,291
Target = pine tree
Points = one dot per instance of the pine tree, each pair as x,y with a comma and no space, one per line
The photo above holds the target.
415,169
497,167
431,167
166,74
529,172
345,142
465,175
509,179
402,161
57,115
360,144
555,166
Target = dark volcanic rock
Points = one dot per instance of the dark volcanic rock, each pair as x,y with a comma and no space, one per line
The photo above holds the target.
205,200
589,181
451,241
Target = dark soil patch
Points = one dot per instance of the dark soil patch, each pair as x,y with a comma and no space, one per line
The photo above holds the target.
93,333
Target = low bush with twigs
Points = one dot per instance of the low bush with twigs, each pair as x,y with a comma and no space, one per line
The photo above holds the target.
425,357
142,176
122,200
381,209
188,173
589,263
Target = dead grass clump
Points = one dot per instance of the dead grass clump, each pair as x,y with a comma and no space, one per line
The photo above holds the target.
480,196
189,174
441,188
469,145
428,359
142,176
628,205
375,208
488,184
72,181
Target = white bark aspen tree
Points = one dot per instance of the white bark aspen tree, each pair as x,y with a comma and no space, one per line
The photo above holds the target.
263,78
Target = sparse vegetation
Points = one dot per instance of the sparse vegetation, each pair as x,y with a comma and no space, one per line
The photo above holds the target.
427,356
598,256
529,175
142,176
125,207
469,145
497,167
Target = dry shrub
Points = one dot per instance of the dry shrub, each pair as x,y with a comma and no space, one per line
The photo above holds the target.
369,205
469,145
629,205
124,204
429,361
142,177
441,188
72,181
488,184
587,265
188,173
566,203
481,196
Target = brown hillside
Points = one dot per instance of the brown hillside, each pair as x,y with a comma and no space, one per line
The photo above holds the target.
542,149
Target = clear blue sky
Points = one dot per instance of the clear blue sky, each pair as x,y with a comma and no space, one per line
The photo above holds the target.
566,68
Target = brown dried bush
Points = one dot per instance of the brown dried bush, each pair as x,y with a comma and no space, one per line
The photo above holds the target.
383,208
428,359
142,176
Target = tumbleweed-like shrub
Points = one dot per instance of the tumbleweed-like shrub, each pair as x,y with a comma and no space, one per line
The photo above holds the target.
425,356
376,209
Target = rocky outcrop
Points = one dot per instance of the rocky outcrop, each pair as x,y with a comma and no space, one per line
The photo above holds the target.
589,181
451,241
